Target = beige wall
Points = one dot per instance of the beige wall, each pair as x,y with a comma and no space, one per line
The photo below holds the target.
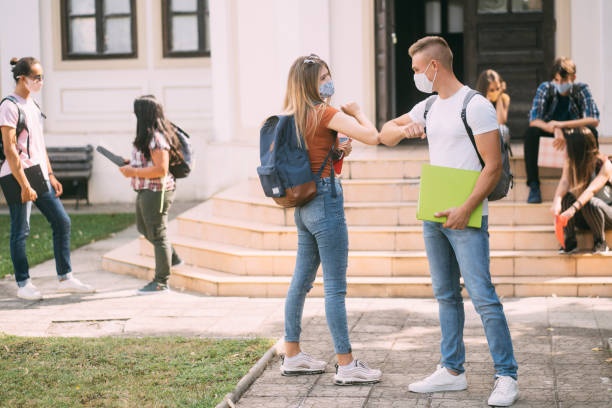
90,102
222,100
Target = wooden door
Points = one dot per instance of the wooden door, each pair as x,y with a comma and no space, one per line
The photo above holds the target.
517,39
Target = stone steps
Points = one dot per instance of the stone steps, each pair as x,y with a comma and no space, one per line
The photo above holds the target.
240,243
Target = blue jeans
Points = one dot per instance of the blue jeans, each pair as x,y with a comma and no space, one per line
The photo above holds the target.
51,207
452,254
322,239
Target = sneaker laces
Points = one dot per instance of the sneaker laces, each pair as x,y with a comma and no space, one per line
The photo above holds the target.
503,385
362,364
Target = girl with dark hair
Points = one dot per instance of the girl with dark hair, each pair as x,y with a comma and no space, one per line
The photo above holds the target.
584,193
321,225
491,85
154,146
22,151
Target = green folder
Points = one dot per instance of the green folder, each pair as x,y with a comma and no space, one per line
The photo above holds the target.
443,188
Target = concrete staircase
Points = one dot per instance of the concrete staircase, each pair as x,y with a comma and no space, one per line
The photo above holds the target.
240,243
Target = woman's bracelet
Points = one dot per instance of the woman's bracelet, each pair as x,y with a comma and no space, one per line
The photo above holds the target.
576,207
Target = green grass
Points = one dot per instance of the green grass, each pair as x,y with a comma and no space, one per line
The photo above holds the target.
86,228
122,372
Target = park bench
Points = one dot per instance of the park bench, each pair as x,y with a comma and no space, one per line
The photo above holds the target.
72,167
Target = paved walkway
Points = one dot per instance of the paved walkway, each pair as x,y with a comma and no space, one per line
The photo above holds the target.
560,342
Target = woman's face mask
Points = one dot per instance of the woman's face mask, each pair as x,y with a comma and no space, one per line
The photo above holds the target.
326,89
33,85
422,83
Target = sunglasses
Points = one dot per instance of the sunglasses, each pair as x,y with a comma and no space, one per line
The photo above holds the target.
312,59
37,78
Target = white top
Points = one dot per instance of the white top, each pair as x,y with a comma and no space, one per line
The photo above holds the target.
8,117
449,143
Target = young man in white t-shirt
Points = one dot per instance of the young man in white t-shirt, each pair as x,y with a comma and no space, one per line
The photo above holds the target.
22,151
453,249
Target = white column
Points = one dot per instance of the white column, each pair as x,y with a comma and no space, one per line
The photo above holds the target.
605,69
588,45
223,67
19,37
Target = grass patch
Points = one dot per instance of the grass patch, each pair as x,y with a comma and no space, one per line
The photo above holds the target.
86,228
122,372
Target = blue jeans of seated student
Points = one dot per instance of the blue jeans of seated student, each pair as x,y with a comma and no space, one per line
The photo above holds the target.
322,239
151,222
51,207
452,254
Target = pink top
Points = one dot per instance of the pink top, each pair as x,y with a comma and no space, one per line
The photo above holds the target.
37,149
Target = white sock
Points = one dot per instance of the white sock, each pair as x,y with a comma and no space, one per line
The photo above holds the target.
347,366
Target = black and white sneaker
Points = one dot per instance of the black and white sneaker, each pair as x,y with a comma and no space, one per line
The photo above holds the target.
302,364
355,373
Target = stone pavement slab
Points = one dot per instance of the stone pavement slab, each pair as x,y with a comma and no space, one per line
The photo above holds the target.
561,344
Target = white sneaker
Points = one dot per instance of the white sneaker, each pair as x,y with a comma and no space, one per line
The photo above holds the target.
357,372
73,285
505,392
302,364
440,380
29,292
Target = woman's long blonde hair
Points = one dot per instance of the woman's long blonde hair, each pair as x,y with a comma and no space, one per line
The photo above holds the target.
582,153
302,99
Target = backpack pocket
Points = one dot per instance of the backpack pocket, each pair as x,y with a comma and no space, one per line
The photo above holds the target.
270,181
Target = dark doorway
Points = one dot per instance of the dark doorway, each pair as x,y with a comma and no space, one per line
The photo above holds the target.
517,39
406,22
514,37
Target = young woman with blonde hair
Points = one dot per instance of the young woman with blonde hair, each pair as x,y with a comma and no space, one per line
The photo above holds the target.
321,225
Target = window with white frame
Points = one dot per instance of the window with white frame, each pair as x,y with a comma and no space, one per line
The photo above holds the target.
98,29
186,28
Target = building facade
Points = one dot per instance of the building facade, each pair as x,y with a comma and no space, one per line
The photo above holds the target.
220,66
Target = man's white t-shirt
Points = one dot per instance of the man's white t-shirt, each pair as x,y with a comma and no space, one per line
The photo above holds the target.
449,143
37,149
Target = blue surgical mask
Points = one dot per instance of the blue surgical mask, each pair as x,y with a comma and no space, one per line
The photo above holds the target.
562,88
327,89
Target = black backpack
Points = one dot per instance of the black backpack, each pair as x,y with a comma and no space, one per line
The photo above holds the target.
21,125
181,165
285,172
505,182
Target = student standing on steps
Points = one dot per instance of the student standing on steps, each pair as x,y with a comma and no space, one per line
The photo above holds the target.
22,151
321,225
453,249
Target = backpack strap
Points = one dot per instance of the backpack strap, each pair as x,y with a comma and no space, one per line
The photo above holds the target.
328,158
471,93
21,121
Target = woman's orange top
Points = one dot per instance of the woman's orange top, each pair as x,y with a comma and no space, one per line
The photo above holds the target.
320,141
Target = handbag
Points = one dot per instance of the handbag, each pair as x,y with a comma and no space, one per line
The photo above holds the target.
548,156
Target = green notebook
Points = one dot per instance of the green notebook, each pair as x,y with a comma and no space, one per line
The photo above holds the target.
443,188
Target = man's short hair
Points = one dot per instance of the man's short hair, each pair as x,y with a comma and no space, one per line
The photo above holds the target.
436,47
564,67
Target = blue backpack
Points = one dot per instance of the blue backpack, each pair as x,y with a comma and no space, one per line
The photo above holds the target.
285,173
181,165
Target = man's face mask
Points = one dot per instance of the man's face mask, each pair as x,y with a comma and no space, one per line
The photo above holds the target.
422,83
563,88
